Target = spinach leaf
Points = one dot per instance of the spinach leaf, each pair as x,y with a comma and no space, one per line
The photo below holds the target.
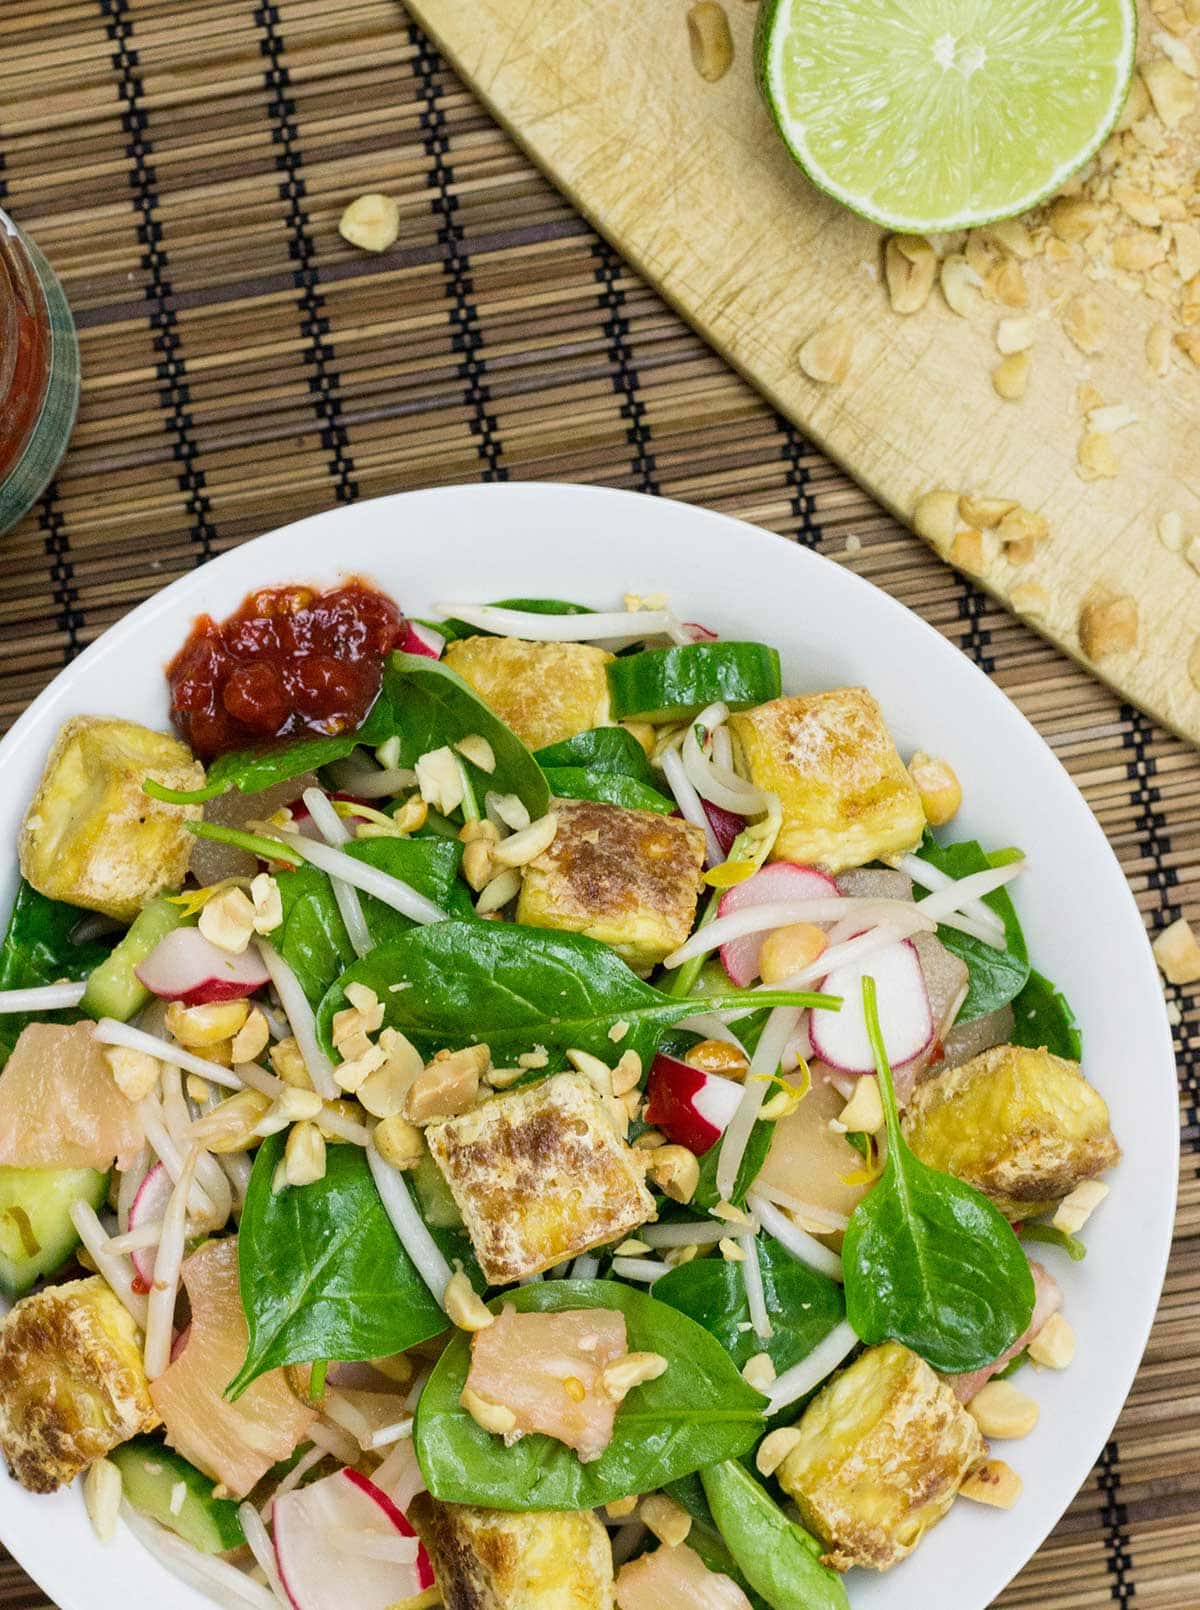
427,705
322,1272
804,1306
38,949
515,987
995,977
452,629
252,770
1042,1016
312,937
575,782
611,750
928,1259
706,1195
704,1538
779,1558
698,1411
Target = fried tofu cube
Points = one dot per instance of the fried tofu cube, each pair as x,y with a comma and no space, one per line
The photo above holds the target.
540,1174
91,837
1023,1126
883,1450
544,691
72,1385
491,1559
629,878
847,798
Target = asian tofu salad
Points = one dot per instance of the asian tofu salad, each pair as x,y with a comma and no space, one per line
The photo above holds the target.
521,1112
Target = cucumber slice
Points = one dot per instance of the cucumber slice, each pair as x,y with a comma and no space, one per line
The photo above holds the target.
36,1233
114,989
670,684
434,1197
151,1474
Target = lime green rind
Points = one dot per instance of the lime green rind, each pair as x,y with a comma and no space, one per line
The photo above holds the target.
772,35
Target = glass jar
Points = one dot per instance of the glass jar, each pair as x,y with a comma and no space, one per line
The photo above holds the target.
39,373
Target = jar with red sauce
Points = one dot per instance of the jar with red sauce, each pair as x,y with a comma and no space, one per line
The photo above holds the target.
289,662
39,373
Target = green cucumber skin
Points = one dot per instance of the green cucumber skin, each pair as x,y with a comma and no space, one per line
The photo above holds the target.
670,684
207,1523
45,1196
114,989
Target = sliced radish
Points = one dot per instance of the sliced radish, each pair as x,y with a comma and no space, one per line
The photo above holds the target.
840,1038
725,825
148,1207
332,1542
782,880
700,634
184,966
418,639
691,1107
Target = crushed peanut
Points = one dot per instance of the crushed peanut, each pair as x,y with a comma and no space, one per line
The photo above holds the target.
527,843
494,1417
440,779
675,1171
710,40
505,886
1175,950
464,1307
371,222
135,1073
227,921
1108,623
1053,1348
669,1521
1096,458
252,1039
304,1153
910,266
398,1142
1002,1410
718,1056
1010,377
827,353
267,902
774,1449
475,748
1030,598
620,1377
449,1085
983,512
994,1483
759,1371
863,1113
968,551
199,1027
1075,1210
938,786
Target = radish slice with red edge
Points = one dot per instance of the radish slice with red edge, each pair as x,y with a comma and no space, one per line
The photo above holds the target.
148,1207
418,639
691,1107
700,634
725,825
840,1038
184,966
781,880
322,1534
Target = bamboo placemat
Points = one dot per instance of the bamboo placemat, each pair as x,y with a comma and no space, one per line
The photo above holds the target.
184,167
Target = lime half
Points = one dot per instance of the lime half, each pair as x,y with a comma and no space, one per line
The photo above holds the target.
931,115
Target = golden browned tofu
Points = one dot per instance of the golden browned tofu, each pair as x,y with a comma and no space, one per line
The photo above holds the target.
91,837
544,691
490,1559
1023,1126
72,1385
846,796
540,1174
883,1449
629,878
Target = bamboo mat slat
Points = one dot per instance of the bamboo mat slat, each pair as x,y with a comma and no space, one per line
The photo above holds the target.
184,168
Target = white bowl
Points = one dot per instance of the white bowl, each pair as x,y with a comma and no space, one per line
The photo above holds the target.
487,542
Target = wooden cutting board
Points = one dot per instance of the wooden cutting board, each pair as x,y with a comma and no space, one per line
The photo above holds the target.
689,181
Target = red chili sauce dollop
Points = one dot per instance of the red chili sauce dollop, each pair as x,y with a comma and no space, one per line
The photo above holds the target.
289,661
